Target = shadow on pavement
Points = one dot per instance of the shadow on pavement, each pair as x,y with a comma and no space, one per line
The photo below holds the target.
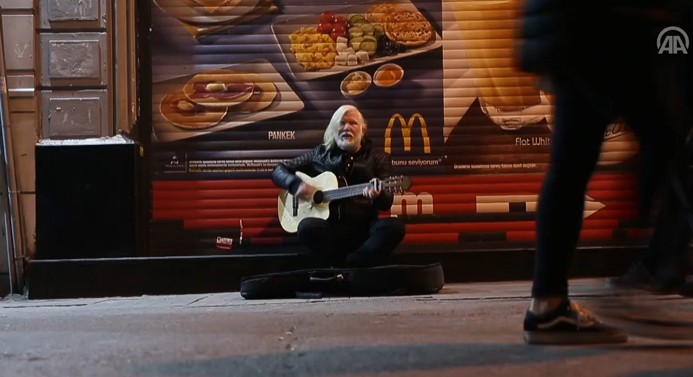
369,359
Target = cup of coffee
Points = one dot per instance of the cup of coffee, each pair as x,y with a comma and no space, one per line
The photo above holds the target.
620,141
490,30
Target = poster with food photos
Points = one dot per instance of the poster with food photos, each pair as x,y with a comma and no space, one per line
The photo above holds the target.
241,85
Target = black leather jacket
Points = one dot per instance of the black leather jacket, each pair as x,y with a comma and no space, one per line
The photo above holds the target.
350,169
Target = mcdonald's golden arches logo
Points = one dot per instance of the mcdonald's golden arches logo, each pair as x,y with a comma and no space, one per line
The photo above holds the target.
406,132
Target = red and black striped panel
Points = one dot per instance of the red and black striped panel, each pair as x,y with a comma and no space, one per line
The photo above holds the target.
436,209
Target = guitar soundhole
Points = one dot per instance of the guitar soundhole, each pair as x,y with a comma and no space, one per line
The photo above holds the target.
318,197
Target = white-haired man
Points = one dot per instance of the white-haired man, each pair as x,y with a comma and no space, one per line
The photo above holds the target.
353,235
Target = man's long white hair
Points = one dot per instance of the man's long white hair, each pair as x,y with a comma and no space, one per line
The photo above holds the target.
330,136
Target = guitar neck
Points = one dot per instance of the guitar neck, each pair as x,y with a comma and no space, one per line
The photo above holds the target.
344,192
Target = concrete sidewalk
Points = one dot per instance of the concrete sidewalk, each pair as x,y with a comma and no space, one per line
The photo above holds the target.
465,330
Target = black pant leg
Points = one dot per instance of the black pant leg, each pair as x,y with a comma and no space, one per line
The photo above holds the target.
575,147
383,237
669,241
659,112
316,235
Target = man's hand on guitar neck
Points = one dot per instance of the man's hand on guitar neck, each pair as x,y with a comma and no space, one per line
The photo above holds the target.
373,189
305,191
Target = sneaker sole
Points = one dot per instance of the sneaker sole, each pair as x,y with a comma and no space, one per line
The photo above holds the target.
554,337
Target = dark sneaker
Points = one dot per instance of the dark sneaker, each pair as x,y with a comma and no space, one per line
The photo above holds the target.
639,278
570,324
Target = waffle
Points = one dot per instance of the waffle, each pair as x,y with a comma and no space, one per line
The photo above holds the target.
378,13
211,6
408,28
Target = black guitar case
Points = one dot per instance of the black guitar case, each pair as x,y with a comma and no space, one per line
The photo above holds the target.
372,281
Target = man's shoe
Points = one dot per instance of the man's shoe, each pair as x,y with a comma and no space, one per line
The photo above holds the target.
570,324
639,278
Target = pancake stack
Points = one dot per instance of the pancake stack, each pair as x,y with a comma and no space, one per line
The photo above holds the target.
208,96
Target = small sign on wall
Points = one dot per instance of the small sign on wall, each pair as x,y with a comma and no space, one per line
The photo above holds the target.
57,14
73,59
67,114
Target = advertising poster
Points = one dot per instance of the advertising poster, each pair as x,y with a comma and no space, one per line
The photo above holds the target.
240,85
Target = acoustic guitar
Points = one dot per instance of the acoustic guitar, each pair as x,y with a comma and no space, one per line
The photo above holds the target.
292,209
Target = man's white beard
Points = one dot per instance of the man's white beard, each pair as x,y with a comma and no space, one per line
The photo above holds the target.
349,145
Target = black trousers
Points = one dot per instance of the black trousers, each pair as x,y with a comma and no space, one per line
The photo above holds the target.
351,243
666,258
586,102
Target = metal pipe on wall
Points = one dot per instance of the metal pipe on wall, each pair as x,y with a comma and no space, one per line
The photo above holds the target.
9,235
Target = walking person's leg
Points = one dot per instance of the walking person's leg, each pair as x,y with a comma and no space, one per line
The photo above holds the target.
660,267
575,147
658,107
